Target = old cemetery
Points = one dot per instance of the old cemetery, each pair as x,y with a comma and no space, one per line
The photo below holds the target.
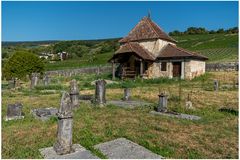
93,116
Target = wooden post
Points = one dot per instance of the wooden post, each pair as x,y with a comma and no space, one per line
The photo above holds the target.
113,70
141,68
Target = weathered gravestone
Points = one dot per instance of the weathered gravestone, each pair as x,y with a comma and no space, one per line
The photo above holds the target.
46,80
216,85
64,132
123,148
74,93
189,103
127,94
34,79
14,111
44,113
63,148
162,110
162,105
12,83
100,92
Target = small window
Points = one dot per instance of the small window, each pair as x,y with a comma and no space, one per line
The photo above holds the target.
164,66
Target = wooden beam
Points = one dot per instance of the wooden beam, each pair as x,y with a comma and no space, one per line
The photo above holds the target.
141,68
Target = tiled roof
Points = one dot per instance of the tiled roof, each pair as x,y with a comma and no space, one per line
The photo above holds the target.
172,51
146,29
134,47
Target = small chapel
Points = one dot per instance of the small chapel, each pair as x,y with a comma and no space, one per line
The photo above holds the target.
148,52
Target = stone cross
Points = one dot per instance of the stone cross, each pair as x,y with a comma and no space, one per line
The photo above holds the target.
215,85
65,122
74,93
127,93
34,79
162,105
14,111
100,92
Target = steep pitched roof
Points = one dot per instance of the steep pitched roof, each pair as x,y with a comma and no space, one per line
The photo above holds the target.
172,51
134,47
146,29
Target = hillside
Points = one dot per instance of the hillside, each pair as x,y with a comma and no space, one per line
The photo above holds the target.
217,47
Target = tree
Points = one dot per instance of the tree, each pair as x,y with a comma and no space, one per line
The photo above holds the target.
221,30
21,64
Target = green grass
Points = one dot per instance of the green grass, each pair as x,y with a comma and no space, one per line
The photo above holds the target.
214,136
101,59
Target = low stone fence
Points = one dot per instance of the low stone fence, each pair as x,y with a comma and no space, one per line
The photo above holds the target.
72,72
231,66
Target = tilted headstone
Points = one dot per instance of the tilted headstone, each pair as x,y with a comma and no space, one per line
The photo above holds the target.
34,79
65,122
100,92
162,105
14,111
127,94
216,85
74,93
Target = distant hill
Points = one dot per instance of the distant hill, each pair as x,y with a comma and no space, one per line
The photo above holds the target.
217,47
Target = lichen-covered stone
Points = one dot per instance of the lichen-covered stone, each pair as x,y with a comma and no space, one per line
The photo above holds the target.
100,92
74,93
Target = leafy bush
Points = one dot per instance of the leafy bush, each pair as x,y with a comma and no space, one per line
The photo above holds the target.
21,64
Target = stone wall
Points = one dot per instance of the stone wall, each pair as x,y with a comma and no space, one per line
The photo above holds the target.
71,72
231,66
194,68
154,70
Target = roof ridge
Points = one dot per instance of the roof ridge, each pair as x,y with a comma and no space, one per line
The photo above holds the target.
152,26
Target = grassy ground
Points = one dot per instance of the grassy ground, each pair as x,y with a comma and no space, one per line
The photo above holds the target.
85,61
214,136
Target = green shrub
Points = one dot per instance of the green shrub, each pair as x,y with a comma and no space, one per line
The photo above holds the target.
21,64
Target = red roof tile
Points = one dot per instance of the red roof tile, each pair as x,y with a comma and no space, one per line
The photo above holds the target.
172,51
146,29
134,47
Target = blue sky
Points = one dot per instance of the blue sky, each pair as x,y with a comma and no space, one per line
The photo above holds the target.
33,21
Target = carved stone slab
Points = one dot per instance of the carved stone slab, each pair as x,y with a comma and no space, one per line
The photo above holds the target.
123,148
177,115
79,153
14,111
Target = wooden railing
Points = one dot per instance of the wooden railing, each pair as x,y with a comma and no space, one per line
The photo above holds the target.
127,72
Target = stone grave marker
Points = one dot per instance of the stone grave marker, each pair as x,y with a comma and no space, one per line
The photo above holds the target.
34,79
162,104
12,83
100,92
123,148
216,85
127,94
14,111
44,113
46,80
65,120
63,148
74,93
189,103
